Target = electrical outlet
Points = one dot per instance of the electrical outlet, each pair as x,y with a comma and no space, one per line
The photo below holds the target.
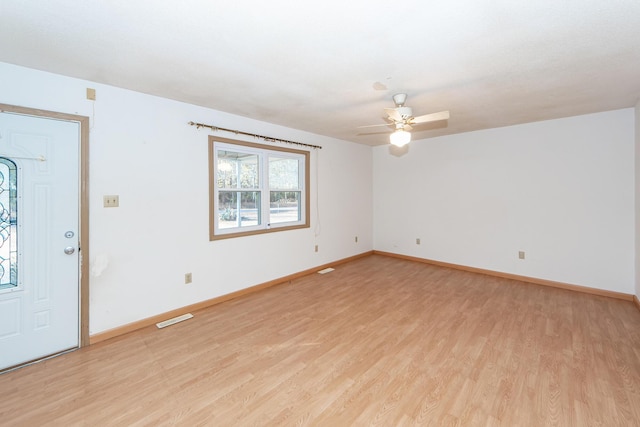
316,248
188,278
91,94
112,201
417,241
521,254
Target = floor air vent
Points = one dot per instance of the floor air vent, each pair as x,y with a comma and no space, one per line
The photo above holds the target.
174,320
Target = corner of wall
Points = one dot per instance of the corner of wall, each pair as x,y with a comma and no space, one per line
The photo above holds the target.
637,199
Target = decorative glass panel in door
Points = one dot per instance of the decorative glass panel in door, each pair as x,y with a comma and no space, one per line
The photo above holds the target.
8,224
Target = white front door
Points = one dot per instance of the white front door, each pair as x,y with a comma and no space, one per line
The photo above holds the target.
39,220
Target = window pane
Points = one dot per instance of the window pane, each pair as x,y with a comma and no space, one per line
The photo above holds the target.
8,224
237,170
238,209
283,174
285,207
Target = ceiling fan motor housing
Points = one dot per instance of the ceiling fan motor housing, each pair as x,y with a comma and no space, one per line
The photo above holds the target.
405,112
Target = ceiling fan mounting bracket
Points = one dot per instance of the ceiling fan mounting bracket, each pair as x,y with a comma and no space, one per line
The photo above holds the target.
400,99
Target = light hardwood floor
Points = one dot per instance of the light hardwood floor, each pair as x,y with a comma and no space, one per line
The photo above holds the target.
379,341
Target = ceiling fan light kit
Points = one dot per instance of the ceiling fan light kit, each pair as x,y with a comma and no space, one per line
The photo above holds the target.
400,138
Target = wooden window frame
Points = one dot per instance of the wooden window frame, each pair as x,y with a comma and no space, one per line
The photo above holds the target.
265,227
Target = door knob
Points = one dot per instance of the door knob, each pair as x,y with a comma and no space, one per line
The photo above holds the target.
69,250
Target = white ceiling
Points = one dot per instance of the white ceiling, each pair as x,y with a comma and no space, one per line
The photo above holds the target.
330,66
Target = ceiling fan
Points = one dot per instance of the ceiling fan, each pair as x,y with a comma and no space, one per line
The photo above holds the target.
403,120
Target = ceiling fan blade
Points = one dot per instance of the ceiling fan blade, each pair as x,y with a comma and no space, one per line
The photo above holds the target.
394,114
433,117
373,133
373,126
407,127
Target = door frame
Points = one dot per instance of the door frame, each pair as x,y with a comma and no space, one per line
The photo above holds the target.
83,249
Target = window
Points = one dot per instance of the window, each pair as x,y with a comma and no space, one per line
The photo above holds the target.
256,188
8,224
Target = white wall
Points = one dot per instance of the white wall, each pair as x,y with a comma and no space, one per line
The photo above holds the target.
143,150
637,199
560,190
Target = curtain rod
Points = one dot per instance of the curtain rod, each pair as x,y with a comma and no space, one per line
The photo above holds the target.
266,138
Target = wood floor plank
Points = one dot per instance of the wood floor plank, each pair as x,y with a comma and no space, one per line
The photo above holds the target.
380,341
